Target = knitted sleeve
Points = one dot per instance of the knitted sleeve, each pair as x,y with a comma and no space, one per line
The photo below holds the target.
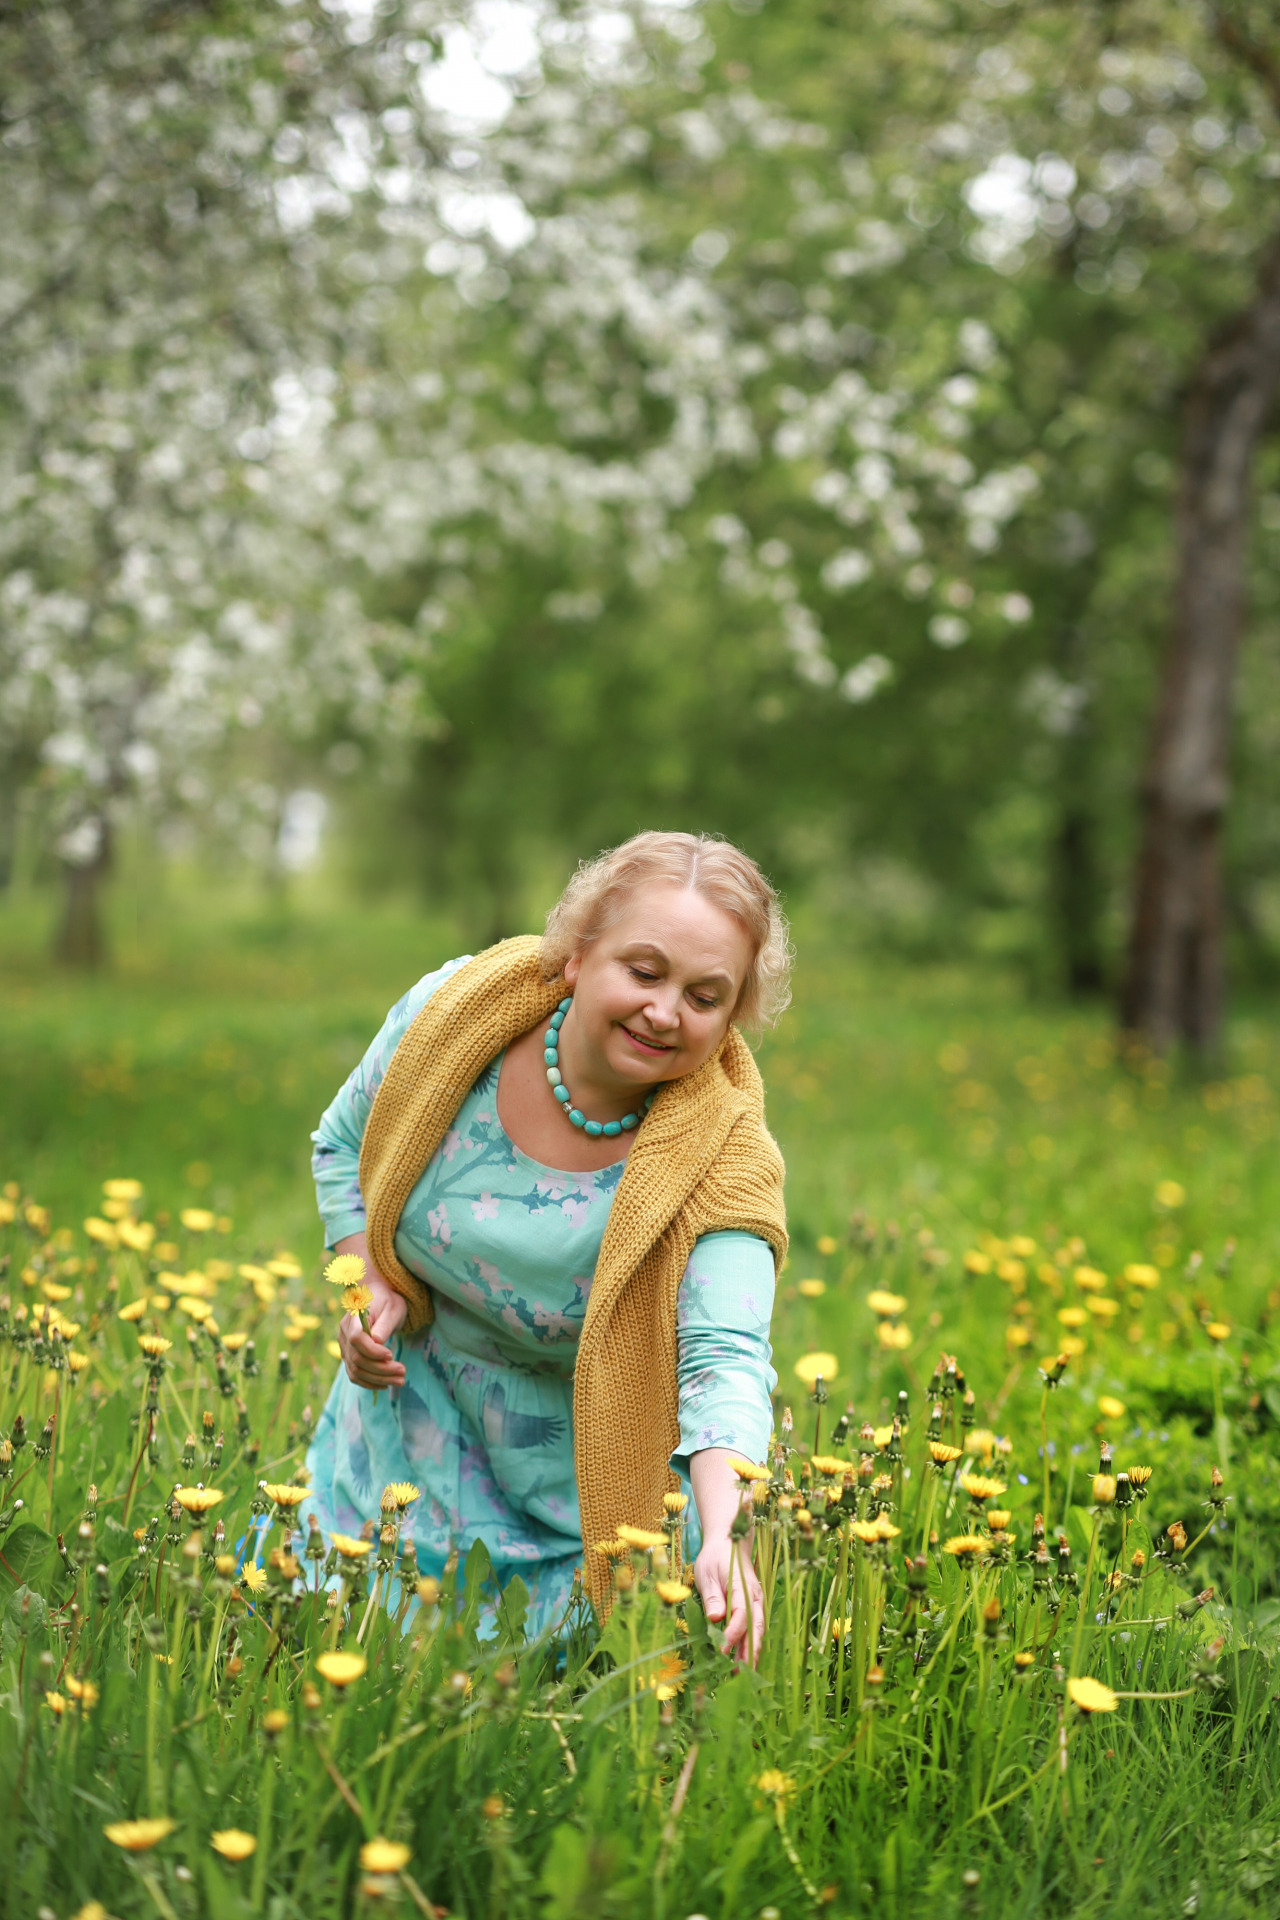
724,1374
335,1158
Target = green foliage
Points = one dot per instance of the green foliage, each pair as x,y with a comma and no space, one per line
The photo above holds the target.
952,1767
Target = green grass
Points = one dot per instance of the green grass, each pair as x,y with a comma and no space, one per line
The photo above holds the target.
926,1116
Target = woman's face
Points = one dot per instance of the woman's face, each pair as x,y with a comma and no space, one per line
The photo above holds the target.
654,995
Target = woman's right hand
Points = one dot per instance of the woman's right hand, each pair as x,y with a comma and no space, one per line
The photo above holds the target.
367,1357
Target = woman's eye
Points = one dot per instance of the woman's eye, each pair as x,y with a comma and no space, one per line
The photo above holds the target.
705,1004
639,974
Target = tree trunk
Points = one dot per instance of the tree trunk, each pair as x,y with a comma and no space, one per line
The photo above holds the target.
1174,983
82,938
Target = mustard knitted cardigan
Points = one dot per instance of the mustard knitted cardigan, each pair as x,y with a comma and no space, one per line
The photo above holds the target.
701,1162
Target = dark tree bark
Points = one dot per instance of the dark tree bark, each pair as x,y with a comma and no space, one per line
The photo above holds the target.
1174,982
82,937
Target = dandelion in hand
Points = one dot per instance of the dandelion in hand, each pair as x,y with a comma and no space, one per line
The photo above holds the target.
345,1270
358,1300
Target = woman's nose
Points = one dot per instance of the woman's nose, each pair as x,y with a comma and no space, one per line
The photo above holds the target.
663,1011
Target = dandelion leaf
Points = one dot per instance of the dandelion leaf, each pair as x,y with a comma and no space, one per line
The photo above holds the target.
512,1612
24,1552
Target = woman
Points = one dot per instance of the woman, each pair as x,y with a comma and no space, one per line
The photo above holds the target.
554,1161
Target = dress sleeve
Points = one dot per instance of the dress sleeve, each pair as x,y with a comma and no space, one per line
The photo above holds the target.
723,1356
335,1157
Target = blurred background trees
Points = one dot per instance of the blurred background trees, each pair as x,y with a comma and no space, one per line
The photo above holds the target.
508,425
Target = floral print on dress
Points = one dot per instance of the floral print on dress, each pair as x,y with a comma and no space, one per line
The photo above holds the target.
484,1421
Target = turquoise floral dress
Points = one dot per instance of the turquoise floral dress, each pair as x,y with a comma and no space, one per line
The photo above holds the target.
484,1421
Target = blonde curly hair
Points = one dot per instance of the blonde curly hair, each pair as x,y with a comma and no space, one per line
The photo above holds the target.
597,894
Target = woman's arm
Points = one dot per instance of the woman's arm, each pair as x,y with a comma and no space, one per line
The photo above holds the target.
725,1379
722,1572
335,1167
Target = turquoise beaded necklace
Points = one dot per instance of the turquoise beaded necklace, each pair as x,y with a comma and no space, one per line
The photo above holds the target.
576,1118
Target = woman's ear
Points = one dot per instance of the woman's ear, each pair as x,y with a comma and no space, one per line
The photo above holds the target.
572,968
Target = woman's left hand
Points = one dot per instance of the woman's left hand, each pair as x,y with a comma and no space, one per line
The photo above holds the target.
726,1579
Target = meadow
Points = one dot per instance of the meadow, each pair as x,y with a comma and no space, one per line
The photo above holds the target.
1018,1530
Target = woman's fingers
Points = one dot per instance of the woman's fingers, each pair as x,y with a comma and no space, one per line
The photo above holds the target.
368,1362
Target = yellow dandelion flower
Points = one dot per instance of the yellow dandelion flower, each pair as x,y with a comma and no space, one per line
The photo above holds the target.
963,1545
77,1362
982,1440
812,1367
881,1437
827,1245
122,1189
642,1537
91,1910
285,1266
154,1345
776,1784
1072,1316
1090,1279
333,1350
356,1300
253,1577
86,1692
975,1262
54,1290
811,1289
1139,1476
885,1529
1104,1489
234,1341
1110,1407
248,1271
1102,1307
385,1856
746,1470
828,1464
134,1310
428,1590
895,1338
979,1486
138,1836
350,1548
55,1703
341,1669
233,1843
1017,1335
197,1219
1138,1274
675,1502
197,1499
1170,1194
997,1518
941,1454
865,1530
1091,1696
103,1232
613,1549
1011,1271
668,1678
284,1496
671,1592
1072,1345
308,1322
1218,1330
401,1494
193,1308
274,1722
885,1303
137,1235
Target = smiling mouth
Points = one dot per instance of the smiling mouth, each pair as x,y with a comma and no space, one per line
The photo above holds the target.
648,1046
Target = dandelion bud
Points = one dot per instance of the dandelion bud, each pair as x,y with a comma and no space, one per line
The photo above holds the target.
189,1453
275,1722
968,1409
6,1458
206,1422
250,1361
1176,1534
875,1676
18,1437
284,1372
1138,1561
904,1414
1189,1608
1124,1492
1104,1457
311,1698
991,1618
786,1426
1104,1490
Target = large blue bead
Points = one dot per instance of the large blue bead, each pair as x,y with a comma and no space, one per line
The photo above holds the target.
562,1094
594,1128
612,1128
551,1038
628,1122
557,1019
578,1119
565,1005
554,1076
552,1056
